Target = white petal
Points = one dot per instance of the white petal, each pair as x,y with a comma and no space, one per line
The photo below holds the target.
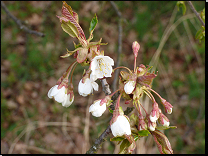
109,60
67,102
85,89
60,96
96,109
129,87
53,91
151,127
95,86
121,126
166,123
153,119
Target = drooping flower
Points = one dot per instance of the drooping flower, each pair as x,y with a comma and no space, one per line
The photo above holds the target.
129,87
96,109
167,105
60,95
87,87
68,101
101,66
121,126
164,120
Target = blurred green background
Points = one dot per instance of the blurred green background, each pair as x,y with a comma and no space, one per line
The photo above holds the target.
31,65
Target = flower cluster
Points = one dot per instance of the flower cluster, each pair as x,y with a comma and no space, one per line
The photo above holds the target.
86,53
133,84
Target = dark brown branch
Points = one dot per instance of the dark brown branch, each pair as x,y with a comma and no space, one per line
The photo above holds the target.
27,30
196,13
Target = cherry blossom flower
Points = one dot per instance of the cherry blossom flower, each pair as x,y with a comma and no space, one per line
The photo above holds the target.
60,95
121,126
87,87
101,66
96,109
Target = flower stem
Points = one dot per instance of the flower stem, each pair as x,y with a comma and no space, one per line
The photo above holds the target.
73,71
155,93
124,68
69,69
134,64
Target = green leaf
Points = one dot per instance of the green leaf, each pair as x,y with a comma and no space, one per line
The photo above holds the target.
70,28
143,132
162,142
93,24
117,139
164,128
123,147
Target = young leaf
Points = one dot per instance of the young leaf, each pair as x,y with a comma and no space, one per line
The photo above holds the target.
93,24
123,147
164,127
117,139
143,133
70,29
162,142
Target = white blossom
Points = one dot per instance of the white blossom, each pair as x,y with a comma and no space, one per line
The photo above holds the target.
87,87
129,87
96,109
60,95
101,66
121,126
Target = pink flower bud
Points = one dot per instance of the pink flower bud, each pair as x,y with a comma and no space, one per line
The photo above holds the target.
163,120
154,115
167,105
142,125
135,47
152,125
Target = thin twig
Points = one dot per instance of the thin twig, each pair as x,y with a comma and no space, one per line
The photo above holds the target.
196,13
27,30
120,29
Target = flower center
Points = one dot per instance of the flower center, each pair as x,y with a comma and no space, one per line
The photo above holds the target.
102,65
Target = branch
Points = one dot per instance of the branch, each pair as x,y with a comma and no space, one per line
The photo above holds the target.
27,30
98,142
196,13
120,29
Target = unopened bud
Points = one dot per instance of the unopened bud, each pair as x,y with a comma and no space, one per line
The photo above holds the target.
154,115
135,47
167,105
152,125
163,120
